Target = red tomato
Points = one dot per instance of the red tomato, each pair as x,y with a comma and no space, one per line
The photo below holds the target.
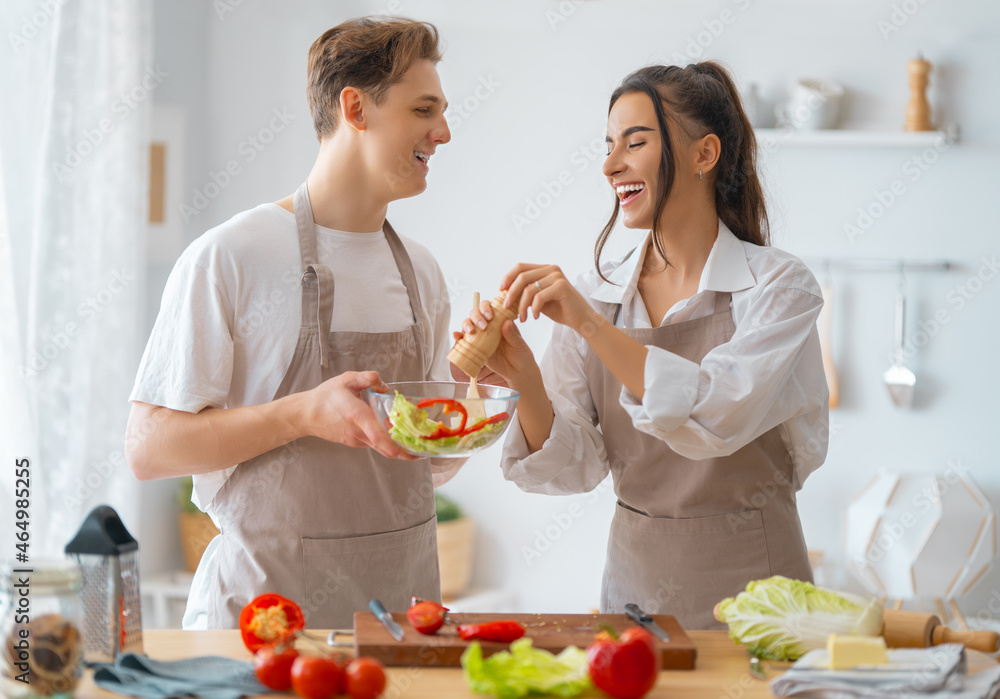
317,678
625,668
273,669
365,678
426,616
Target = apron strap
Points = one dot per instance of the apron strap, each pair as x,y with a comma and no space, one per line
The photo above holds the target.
409,277
317,279
317,295
306,226
722,301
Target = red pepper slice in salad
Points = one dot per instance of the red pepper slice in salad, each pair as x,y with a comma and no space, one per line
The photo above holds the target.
475,427
450,406
269,620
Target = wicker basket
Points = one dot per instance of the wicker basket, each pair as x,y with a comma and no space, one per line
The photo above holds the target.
196,529
456,540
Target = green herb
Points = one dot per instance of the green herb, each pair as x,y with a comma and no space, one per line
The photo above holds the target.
185,487
446,508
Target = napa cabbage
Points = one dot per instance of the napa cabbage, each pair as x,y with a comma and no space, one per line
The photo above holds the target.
781,619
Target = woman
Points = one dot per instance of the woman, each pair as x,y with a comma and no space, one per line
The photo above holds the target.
690,368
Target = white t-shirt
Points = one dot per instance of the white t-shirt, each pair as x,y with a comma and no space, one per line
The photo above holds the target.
232,308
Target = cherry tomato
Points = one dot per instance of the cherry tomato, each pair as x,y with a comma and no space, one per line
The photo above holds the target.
426,616
365,678
317,678
273,668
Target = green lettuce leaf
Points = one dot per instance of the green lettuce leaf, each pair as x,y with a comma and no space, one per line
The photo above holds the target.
781,619
525,670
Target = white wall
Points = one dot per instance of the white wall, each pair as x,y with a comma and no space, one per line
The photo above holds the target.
180,46
551,67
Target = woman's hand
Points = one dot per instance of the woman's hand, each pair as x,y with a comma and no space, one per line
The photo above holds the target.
544,289
512,358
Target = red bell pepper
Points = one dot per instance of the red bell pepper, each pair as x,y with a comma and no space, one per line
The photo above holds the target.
269,620
450,406
500,631
476,426
626,667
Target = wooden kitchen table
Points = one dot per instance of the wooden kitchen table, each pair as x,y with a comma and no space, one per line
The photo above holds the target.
721,671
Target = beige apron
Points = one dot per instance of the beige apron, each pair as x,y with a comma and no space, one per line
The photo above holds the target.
326,525
686,533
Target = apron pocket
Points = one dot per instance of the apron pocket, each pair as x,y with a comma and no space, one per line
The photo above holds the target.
682,566
342,575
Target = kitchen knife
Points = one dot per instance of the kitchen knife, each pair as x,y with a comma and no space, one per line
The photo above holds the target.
386,618
646,621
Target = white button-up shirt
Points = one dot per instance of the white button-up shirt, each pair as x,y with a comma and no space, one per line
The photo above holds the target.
769,374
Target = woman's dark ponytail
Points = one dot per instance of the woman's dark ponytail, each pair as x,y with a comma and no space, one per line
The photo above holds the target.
739,197
704,99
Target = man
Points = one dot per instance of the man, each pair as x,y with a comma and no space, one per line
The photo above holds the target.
252,376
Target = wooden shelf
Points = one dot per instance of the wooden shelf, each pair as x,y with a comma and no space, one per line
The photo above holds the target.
775,139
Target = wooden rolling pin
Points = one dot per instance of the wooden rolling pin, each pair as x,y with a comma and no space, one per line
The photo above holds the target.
918,630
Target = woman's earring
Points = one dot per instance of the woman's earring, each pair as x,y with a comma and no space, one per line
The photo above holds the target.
699,174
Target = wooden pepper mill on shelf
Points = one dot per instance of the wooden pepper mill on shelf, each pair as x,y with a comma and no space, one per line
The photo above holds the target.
471,352
918,110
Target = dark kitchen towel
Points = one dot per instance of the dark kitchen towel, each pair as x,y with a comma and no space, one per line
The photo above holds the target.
210,677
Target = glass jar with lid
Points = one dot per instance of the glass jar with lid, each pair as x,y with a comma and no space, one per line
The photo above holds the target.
41,650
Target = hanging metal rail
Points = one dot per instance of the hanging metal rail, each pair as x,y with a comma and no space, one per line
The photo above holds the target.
872,264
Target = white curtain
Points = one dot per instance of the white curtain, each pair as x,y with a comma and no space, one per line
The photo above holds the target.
77,81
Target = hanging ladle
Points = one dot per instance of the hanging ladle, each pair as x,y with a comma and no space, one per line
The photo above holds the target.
898,379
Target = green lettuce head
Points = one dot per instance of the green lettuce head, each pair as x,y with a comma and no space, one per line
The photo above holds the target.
781,619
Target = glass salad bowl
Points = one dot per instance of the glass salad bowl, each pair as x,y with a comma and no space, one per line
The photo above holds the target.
434,418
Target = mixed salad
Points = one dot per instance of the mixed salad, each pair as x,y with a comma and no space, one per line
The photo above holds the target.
414,430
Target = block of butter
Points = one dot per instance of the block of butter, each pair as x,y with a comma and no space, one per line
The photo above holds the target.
847,652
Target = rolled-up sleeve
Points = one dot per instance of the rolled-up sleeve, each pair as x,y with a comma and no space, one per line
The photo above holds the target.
573,459
742,388
188,361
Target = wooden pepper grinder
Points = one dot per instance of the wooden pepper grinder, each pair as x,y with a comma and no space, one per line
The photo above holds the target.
471,352
918,111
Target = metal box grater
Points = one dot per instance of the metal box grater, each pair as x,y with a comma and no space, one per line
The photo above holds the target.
108,557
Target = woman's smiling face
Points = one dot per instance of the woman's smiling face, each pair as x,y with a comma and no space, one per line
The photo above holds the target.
633,163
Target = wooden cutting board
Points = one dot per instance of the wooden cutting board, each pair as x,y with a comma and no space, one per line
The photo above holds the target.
551,632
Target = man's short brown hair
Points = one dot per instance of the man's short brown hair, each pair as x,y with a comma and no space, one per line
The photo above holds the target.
368,53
